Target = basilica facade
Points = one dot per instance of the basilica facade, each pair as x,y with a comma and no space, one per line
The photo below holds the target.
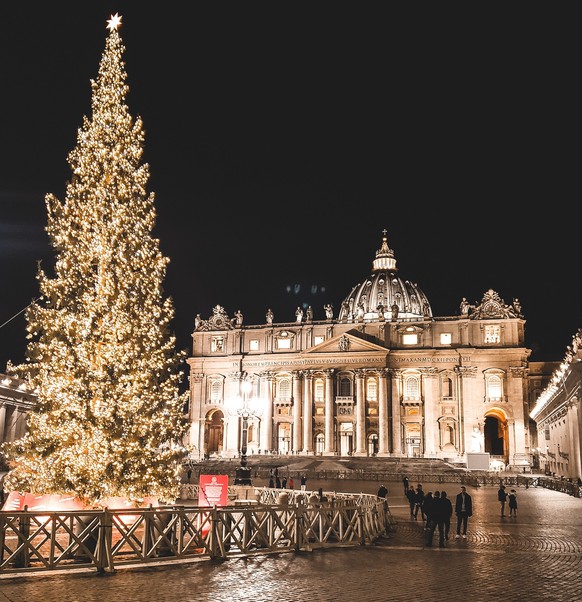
383,377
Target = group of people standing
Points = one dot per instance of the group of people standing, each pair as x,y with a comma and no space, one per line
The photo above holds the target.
275,481
436,511
504,497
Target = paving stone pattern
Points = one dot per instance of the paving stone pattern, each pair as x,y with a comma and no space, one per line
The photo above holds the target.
535,556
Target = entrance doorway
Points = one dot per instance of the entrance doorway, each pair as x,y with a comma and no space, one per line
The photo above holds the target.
346,438
213,433
413,441
284,438
496,434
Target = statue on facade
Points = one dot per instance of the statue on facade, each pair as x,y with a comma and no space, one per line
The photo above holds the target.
299,315
395,311
269,316
328,311
477,440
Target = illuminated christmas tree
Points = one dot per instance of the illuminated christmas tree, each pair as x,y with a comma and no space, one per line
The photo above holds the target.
109,420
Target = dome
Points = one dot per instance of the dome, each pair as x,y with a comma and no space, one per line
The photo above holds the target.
384,295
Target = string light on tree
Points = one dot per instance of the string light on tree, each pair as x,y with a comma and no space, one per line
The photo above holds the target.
109,420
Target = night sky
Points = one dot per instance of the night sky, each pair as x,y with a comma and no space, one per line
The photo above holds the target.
283,138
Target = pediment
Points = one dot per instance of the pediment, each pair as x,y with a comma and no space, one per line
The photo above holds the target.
350,342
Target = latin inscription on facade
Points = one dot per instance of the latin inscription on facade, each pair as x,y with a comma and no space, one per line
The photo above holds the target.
351,360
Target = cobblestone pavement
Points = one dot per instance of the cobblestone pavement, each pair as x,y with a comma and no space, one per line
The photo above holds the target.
536,556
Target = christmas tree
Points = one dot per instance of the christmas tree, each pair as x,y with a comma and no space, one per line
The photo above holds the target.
109,419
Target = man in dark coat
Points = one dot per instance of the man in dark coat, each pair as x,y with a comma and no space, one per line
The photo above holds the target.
463,510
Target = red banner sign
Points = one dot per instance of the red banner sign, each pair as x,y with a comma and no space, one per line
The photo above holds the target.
213,490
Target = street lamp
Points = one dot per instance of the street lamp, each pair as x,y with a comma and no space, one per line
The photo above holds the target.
244,408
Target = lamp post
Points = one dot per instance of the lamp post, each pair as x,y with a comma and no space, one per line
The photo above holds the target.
244,408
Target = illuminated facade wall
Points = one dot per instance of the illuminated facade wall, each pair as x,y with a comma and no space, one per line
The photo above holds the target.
558,417
428,387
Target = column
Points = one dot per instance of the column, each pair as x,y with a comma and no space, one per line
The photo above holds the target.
231,427
197,417
511,439
266,395
297,402
2,422
382,415
12,419
430,404
329,415
575,468
361,449
307,413
396,418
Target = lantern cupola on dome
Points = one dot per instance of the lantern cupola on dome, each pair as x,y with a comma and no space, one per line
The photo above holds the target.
384,295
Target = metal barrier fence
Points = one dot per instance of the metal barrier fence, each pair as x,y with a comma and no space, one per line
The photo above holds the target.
474,479
104,539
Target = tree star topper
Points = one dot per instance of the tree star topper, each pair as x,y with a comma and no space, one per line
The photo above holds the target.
114,22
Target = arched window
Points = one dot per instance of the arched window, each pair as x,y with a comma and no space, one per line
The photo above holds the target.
345,386
494,387
215,391
447,387
320,443
284,389
412,388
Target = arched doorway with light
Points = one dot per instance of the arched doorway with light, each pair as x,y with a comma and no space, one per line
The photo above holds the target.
373,444
214,433
495,433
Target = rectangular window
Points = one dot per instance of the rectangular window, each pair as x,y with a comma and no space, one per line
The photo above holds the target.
318,339
446,338
283,343
410,339
254,345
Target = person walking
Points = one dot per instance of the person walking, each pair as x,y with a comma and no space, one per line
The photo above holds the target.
419,502
382,491
411,497
502,497
303,482
513,503
405,484
436,520
427,508
447,512
463,510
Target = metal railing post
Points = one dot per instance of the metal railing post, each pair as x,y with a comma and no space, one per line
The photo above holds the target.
361,525
22,559
104,547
